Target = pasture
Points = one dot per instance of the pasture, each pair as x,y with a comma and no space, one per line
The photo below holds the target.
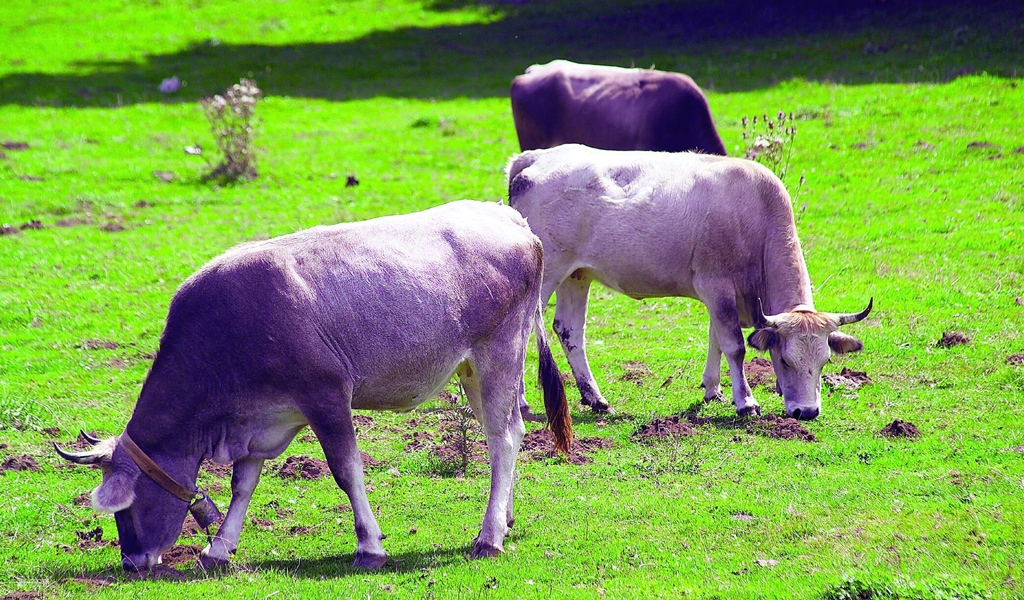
911,147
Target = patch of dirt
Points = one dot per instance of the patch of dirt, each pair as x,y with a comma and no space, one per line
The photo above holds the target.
22,595
743,517
779,427
351,181
117,363
863,145
182,554
83,499
190,528
14,145
953,338
142,204
93,538
80,443
923,145
216,469
30,178
1016,360
900,429
264,524
541,444
1019,150
93,580
759,371
309,438
363,421
51,431
419,440
299,530
980,144
20,463
98,345
369,461
112,227
72,222
665,427
304,467
636,372
33,224
848,379
8,230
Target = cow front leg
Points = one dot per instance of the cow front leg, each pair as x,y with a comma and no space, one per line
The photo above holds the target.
570,325
712,380
726,325
245,474
337,435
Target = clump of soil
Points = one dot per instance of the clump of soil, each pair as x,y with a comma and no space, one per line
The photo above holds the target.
541,444
190,528
22,595
779,427
14,145
216,469
759,371
369,461
309,438
847,378
666,427
980,144
8,230
419,440
182,554
262,523
83,499
93,538
363,421
51,431
1017,360
304,467
299,530
112,227
636,372
953,338
98,345
20,463
900,429
33,224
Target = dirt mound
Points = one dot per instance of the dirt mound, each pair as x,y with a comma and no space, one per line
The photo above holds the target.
33,224
304,467
262,523
369,461
216,469
99,345
419,440
178,555
848,379
759,371
953,338
666,427
190,528
636,372
83,499
779,427
14,145
1017,360
541,444
8,230
20,463
72,222
51,431
900,429
22,595
93,538
363,421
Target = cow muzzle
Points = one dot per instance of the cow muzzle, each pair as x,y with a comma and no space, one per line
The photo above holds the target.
805,414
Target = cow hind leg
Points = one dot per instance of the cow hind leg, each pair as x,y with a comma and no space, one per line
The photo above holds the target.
726,325
333,426
245,474
570,325
499,367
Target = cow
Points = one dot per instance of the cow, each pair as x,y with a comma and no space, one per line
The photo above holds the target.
299,330
656,224
612,108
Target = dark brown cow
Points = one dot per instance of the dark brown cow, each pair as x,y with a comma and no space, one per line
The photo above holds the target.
611,108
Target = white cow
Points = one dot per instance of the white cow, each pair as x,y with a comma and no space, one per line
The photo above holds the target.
653,224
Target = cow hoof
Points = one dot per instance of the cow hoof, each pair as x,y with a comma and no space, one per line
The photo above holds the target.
749,411
602,409
482,550
715,397
367,560
208,563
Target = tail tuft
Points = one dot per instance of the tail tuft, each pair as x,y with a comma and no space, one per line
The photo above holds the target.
556,405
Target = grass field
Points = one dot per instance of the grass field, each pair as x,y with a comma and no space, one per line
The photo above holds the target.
911,144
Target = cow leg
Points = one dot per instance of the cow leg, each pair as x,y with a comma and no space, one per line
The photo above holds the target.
337,435
570,324
245,474
726,325
499,369
712,380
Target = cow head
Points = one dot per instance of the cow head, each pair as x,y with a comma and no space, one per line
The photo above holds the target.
148,517
800,342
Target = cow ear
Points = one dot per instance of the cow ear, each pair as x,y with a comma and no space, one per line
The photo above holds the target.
762,339
840,343
117,492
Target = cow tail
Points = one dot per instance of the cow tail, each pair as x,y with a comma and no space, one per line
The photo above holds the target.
517,185
555,403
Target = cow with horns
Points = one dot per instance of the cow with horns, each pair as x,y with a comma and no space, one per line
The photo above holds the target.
656,224
276,335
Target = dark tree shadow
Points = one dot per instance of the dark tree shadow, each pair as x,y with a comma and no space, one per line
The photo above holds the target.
729,45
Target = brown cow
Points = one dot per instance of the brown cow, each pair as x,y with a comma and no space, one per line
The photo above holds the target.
611,108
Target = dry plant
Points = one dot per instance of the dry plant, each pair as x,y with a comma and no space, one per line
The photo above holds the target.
233,122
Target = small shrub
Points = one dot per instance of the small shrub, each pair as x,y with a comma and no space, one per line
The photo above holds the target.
233,122
770,142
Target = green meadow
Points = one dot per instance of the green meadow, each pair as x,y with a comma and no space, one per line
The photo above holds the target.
911,146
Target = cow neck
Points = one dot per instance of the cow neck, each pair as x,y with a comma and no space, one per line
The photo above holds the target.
787,283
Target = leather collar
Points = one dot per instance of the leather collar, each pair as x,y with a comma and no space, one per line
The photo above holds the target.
154,471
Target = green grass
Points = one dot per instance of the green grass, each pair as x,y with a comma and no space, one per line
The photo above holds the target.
896,205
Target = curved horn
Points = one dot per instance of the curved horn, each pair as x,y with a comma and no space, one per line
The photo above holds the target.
847,318
93,441
86,458
764,319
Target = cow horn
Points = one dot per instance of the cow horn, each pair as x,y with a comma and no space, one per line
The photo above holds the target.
762,318
91,457
847,318
93,441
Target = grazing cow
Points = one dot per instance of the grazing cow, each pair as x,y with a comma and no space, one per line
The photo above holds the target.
651,224
612,108
302,329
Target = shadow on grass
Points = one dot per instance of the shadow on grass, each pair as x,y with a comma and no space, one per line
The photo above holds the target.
729,45
341,565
